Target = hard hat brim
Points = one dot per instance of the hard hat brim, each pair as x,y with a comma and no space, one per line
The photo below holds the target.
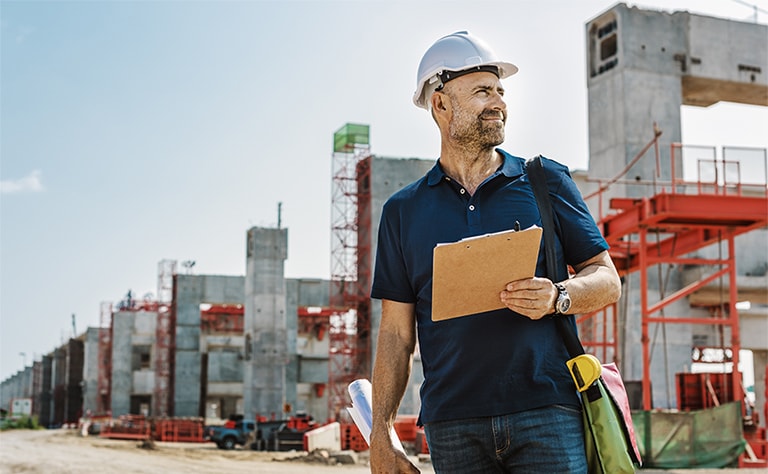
505,70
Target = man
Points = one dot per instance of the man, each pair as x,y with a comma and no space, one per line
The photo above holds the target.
497,396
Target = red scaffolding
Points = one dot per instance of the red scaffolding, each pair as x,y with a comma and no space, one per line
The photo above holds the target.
164,337
599,333
314,320
679,219
222,318
103,402
350,325
163,354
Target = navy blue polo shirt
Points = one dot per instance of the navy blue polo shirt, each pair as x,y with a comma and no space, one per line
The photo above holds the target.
497,362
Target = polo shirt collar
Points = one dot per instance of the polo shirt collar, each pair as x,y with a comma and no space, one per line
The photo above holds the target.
510,168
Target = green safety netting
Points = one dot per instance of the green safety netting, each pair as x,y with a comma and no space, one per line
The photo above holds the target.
711,438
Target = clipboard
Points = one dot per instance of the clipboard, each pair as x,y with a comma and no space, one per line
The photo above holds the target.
468,275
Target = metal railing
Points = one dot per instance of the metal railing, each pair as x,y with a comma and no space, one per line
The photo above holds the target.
693,169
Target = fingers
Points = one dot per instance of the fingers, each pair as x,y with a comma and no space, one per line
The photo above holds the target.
393,463
533,297
408,467
530,312
386,459
531,284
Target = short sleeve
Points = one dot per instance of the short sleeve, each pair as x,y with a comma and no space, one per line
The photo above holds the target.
579,234
390,278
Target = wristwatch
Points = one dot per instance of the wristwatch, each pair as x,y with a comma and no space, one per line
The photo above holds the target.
563,301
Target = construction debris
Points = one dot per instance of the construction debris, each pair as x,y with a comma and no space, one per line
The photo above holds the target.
323,456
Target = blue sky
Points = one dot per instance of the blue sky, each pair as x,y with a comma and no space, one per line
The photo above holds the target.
137,131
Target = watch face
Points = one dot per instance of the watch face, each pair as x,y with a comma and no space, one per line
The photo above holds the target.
563,304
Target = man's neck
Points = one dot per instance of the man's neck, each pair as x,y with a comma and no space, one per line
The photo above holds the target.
470,167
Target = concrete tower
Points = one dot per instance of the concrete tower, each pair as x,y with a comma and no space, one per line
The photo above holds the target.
266,338
643,65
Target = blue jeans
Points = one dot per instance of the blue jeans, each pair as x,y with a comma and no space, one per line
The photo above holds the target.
544,440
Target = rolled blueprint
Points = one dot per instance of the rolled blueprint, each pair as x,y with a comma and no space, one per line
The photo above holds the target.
362,412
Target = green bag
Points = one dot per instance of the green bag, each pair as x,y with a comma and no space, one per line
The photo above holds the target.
608,430
609,434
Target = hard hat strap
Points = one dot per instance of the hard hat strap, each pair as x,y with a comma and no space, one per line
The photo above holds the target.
445,76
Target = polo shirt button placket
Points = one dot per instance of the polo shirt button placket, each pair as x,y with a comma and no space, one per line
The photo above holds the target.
473,219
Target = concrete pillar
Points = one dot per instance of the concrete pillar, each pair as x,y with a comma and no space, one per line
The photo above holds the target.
46,391
266,346
91,371
186,393
59,378
122,376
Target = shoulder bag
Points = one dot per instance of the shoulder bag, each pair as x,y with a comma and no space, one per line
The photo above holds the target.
609,434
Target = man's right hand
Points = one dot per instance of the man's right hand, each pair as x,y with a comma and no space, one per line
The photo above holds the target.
386,459
391,370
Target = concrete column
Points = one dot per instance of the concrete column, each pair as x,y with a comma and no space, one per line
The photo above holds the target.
46,391
121,377
187,370
91,371
266,347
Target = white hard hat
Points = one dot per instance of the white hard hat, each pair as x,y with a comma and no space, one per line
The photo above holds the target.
461,53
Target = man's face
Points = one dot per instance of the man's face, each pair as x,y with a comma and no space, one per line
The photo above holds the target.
479,110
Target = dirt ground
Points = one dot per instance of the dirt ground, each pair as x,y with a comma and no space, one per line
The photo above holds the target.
66,452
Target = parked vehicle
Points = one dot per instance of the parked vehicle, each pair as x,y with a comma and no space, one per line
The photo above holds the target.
229,436
261,434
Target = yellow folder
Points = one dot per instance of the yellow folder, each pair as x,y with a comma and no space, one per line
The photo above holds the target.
468,275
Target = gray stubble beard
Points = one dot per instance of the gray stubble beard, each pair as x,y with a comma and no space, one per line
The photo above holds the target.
477,135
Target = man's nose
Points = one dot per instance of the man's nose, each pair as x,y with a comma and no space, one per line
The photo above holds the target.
498,101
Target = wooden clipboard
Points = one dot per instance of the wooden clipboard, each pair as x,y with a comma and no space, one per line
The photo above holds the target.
468,275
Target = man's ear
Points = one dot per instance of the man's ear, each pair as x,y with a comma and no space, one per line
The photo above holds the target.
439,101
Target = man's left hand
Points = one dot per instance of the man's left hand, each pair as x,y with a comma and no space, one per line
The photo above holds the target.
533,297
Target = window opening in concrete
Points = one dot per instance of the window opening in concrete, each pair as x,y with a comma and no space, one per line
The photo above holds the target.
141,357
603,45
140,405
223,407
229,407
212,409
608,47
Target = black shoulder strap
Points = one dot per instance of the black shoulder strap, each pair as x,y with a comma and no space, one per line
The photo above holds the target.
538,180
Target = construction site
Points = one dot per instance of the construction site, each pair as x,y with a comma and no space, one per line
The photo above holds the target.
687,227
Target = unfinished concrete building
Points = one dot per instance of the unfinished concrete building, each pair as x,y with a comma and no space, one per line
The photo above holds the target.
263,345
54,385
203,349
210,348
